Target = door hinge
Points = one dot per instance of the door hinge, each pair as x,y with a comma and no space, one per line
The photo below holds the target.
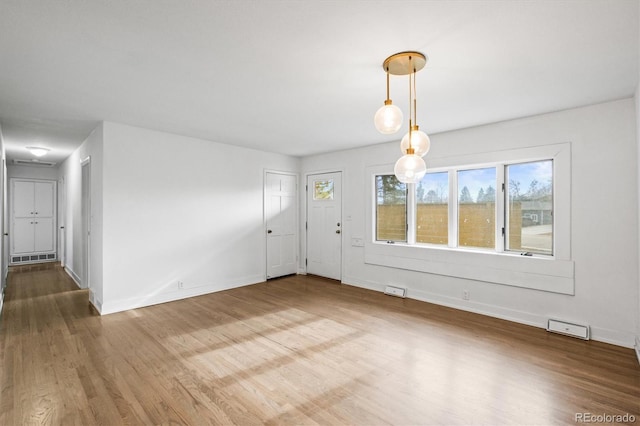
306,225
503,187
503,231
306,188
305,262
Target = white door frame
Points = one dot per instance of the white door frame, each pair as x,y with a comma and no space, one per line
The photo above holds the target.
306,211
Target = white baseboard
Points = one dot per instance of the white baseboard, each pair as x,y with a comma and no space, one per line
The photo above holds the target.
638,348
613,337
600,334
111,307
97,303
1,302
73,276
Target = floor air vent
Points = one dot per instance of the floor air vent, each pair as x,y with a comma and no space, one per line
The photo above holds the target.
395,291
33,258
569,329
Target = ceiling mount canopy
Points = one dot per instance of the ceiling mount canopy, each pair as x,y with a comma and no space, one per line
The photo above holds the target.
404,63
410,168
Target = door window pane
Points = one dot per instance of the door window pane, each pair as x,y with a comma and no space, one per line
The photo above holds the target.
530,207
323,189
391,209
477,208
432,215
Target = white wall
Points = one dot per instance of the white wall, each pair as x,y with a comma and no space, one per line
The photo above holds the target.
604,220
71,172
179,209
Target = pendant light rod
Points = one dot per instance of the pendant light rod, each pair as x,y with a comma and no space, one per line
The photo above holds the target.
411,105
415,102
385,102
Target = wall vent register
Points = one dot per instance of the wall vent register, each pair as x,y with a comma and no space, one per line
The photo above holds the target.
574,330
33,258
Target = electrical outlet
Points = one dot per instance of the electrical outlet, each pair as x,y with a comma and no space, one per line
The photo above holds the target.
465,294
180,284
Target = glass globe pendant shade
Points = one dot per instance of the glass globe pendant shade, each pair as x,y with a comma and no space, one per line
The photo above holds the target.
388,118
410,168
420,142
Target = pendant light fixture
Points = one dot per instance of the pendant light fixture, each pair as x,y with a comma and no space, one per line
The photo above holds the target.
410,168
388,118
415,138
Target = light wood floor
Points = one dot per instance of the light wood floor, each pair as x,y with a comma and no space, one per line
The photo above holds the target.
298,350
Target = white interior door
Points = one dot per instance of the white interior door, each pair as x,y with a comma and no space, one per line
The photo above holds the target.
62,207
282,235
86,222
44,230
23,235
44,201
23,202
324,225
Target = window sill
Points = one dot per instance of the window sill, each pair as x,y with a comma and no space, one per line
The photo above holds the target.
544,273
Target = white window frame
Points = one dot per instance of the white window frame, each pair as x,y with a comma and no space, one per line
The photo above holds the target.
553,273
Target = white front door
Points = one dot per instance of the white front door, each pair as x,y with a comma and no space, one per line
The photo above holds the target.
324,225
282,235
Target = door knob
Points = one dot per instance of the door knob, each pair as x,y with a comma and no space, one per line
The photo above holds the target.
269,231
337,231
338,223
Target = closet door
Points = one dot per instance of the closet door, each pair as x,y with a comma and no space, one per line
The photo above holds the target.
23,236
43,201
33,221
23,202
43,237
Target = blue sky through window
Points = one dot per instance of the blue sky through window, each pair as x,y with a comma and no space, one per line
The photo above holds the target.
476,179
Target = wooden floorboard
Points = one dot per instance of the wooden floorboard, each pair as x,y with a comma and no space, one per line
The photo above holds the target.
293,351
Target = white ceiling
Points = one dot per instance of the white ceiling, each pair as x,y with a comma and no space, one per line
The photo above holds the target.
299,77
